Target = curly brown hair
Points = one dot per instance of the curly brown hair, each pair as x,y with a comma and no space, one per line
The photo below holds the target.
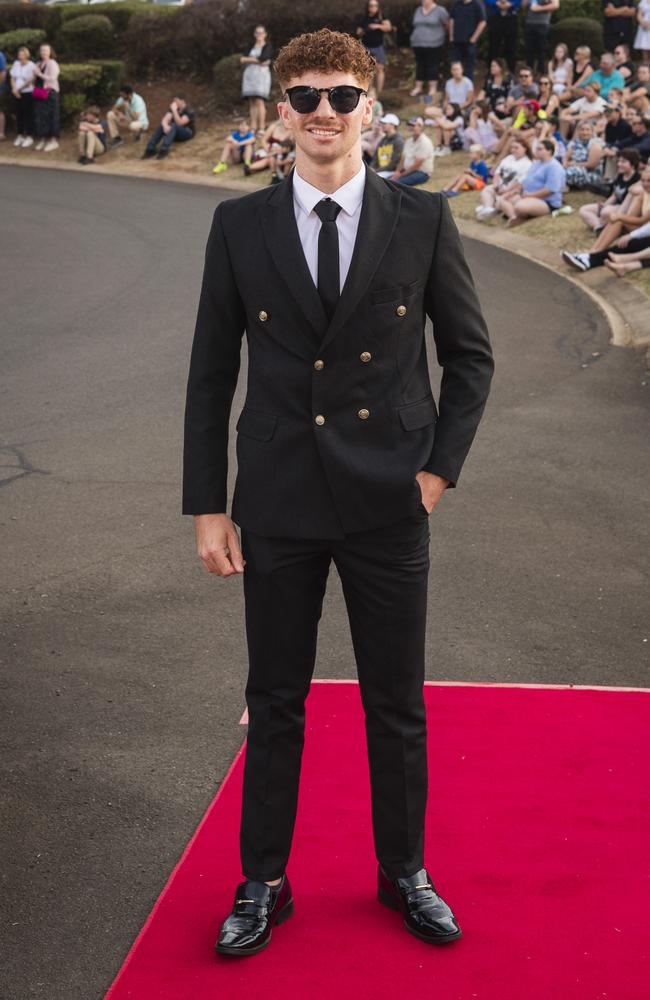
325,51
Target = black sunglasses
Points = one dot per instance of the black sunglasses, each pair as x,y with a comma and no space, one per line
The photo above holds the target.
343,99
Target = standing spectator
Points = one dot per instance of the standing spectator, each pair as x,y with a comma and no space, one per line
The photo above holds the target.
3,87
541,188
560,69
372,29
430,23
416,162
466,25
238,148
93,139
583,158
497,84
502,30
642,38
390,148
537,25
597,214
256,78
22,76
507,180
618,21
130,110
46,100
177,125
459,89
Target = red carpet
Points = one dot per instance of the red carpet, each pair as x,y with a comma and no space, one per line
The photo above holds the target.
538,835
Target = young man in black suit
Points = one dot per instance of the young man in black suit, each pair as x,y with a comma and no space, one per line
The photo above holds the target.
342,455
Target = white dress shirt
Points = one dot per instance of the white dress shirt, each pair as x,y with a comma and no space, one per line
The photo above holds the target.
349,196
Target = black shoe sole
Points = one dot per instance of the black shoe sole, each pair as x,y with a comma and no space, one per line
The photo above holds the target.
388,900
283,915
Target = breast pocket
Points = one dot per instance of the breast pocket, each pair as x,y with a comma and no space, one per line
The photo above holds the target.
256,425
395,294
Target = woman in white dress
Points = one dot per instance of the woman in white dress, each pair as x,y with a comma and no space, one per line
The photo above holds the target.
256,79
642,40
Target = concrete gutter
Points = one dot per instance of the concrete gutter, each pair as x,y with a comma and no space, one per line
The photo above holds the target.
625,307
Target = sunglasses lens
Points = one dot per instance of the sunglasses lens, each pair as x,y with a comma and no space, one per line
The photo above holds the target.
304,100
344,99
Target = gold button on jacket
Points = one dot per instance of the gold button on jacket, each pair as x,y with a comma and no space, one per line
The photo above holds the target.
363,414
320,419
319,365
262,316
365,356
401,310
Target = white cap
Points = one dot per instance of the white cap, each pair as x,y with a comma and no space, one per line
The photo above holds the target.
389,119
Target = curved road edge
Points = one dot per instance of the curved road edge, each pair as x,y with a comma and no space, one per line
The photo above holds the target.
624,307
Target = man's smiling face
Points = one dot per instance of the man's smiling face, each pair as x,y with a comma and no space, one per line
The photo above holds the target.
324,135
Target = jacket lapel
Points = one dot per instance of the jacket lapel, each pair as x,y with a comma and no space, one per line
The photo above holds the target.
283,242
379,215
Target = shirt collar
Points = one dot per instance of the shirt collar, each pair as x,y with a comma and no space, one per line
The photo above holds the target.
349,196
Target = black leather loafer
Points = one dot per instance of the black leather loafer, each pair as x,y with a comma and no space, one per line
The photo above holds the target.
425,912
257,908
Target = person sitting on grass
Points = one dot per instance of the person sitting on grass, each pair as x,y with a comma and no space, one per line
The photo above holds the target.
613,235
448,125
637,92
587,108
283,160
632,257
238,148
389,151
597,214
129,110
481,130
416,162
93,140
507,179
473,178
541,188
583,160
274,134
177,125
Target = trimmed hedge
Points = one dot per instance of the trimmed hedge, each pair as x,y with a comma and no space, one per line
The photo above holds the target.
151,41
11,41
76,79
87,37
226,75
119,14
578,31
27,15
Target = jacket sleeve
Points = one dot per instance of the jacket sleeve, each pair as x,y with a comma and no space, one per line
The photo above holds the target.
214,367
462,347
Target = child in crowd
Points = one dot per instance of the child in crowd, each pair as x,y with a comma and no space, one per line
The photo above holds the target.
92,134
238,148
474,178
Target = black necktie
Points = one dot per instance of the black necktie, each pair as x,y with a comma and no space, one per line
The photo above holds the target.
328,255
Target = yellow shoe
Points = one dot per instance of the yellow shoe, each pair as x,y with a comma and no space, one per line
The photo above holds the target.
220,167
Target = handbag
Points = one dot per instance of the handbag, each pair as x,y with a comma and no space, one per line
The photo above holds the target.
40,93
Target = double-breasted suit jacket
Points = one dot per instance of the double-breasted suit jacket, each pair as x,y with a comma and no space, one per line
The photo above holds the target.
340,416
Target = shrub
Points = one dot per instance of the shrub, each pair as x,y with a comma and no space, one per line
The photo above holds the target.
592,9
72,105
578,31
21,15
107,87
77,80
227,81
11,41
87,37
119,14
150,40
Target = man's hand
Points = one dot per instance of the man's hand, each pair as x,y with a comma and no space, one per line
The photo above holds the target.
432,488
217,544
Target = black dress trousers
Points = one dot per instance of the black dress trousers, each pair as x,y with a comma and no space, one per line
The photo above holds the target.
384,574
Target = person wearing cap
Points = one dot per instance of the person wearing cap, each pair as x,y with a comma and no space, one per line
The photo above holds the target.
389,151
586,108
416,162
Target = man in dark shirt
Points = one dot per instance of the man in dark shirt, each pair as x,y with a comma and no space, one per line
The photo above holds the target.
638,90
467,22
616,127
177,125
619,17
639,139
502,30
